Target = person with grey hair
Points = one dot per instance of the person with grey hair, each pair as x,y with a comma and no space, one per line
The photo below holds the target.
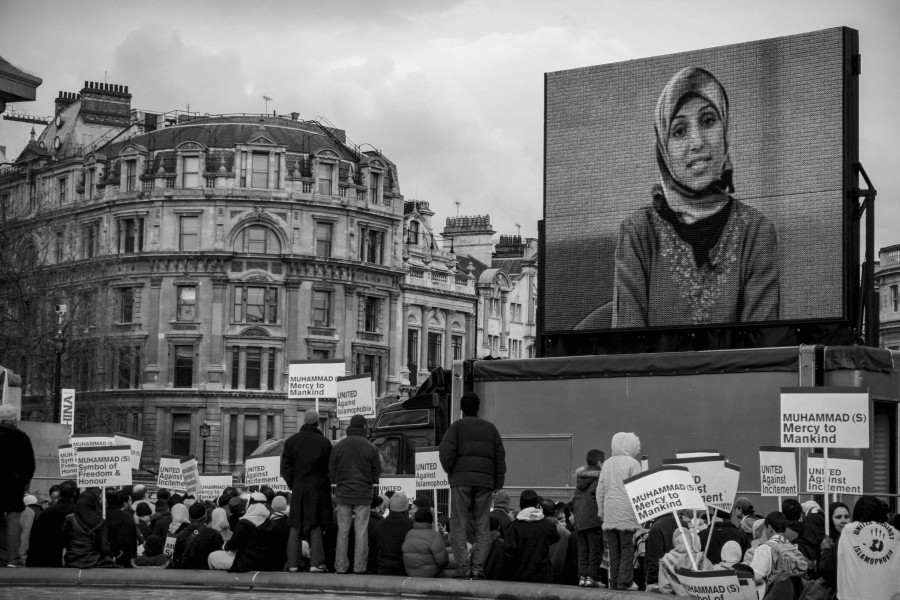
16,470
304,467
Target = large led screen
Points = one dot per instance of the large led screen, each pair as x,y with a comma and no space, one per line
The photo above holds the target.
702,188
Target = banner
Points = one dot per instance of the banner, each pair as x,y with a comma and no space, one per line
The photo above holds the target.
137,446
778,471
354,396
845,475
824,418
191,476
660,491
429,472
67,408
170,473
264,470
398,483
212,486
90,440
68,463
716,585
716,480
314,378
104,466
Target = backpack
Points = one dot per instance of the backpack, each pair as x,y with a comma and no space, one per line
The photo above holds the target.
787,558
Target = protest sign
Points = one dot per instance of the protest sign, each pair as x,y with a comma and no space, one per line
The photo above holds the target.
90,440
778,471
695,453
716,480
191,476
354,396
662,490
104,466
824,418
429,472
170,473
68,464
212,486
67,408
264,470
845,476
398,483
314,378
716,585
137,446
169,548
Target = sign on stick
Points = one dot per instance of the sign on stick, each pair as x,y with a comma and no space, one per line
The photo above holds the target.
778,471
104,466
170,473
716,585
716,480
314,378
429,472
212,486
824,418
354,396
265,470
68,463
845,476
398,483
137,446
662,490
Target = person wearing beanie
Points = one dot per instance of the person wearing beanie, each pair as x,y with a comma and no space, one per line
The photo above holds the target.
304,466
197,541
389,536
16,470
236,508
424,553
526,552
45,544
354,468
614,508
472,454
277,530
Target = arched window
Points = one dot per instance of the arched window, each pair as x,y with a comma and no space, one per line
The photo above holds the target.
257,239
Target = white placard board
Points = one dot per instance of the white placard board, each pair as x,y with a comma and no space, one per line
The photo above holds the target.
429,472
778,471
212,486
264,470
662,490
68,463
104,466
314,378
680,454
715,478
137,446
170,473
67,408
190,474
354,396
716,585
824,418
845,475
91,440
398,483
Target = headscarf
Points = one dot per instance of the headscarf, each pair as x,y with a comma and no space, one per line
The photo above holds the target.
256,514
180,516
679,557
690,81
218,521
731,554
833,533
87,511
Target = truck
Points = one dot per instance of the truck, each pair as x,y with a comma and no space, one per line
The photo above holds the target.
551,411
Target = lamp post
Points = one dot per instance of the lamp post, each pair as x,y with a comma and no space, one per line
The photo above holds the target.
59,346
204,433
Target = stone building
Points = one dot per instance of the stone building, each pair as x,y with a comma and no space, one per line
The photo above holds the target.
199,256
887,282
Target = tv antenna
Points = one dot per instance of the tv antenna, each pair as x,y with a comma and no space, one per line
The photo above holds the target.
266,98
457,208
519,229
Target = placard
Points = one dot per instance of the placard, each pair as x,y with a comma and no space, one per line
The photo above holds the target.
695,453
824,418
264,470
212,486
91,440
716,585
68,462
778,471
169,548
845,475
170,473
137,446
104,466
314,378
67,408
398,483
354,396
716,480
429,472
191,476
660,491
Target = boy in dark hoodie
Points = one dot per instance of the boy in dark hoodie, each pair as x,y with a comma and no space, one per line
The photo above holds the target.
588,525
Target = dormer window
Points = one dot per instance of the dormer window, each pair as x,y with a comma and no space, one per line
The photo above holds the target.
326,178
190,171
130,175
374,186
259,167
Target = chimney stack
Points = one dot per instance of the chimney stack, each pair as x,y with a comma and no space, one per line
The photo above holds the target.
64,100
106,104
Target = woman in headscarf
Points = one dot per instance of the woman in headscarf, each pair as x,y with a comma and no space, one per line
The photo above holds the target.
85,535
679,557
695,255
180,519
249,540
839,513
218,521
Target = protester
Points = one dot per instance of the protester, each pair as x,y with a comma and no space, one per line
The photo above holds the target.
142,514
153,556
218,522
278,532
247,548
730,555
85,534
659,542
180,519
868,554
588,524
493,565
26,520
122,529
723,530
45,544
683,555
559,548
354,468
744,513
236,507
839,513
614,508
389,536
812,532
16,470
770,556
793,512
424,554
161,519
472,454
376,515
526,555
500,511
196,541
304,466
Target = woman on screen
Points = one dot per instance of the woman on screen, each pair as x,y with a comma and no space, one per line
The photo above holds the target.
695,255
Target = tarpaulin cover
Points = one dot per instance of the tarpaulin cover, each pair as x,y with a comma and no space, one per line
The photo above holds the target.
858,358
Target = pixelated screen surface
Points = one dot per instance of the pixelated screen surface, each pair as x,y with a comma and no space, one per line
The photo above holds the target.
619,255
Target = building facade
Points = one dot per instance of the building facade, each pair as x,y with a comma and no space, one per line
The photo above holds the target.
887,284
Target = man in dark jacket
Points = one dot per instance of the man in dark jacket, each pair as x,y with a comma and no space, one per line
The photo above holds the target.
16,470
304,467
389,535
588,525
354,468
723,530
528,540
196,542
472,454
45,548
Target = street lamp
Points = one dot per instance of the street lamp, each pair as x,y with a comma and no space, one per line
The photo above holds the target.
59,346
204,433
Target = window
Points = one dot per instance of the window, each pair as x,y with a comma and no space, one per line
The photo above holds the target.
495,308
257,239
63,187
60,245
90,182
184,366
372,309
515,312
371,246
189,233
90,240
127,367
323,239
320,354
412,350
253,368
259,170
190,171
374,180
434,350
186,303
321,316
515,348
258,366
370,363
127,304
254,304
895,297
131,235
181,434
494,345
412,234
130,175
326,176
456,342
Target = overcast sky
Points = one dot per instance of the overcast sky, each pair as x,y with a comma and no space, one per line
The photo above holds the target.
451,91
